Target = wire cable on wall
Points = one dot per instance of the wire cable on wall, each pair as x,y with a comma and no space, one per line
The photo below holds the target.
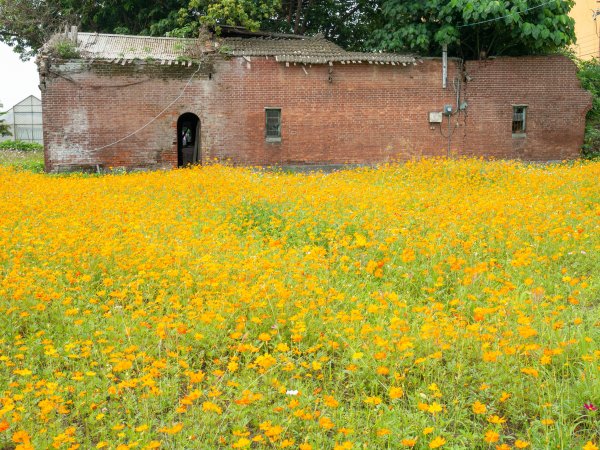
155,117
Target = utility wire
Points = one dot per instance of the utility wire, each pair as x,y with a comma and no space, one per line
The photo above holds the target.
504,17
154,118
589,54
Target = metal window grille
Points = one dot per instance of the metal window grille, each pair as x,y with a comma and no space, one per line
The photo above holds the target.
519,122
273,123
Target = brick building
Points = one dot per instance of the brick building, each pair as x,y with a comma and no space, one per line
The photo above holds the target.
258,99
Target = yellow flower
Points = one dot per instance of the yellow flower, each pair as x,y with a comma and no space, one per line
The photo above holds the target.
491,436
330,401
210,406
496,419
325,422
505,396
173,430
396,392
530,371
479,408
437,442
590,446
372,400
242,443
521,444
434,408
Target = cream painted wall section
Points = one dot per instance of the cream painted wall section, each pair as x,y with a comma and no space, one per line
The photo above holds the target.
587,28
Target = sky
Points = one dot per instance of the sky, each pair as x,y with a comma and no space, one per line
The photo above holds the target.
18,79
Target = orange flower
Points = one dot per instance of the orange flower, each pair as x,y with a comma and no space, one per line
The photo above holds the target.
479,408
491,436
396,392
437,442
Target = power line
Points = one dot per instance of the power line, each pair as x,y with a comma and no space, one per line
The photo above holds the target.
589,54
504,17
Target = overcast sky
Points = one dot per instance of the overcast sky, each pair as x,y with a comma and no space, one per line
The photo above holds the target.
18,79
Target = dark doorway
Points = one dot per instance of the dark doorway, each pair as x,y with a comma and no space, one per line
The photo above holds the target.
188,139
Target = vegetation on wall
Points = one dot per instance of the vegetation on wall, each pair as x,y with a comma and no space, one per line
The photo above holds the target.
589,74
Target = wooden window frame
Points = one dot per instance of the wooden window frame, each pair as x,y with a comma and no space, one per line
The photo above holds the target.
272,137
519,124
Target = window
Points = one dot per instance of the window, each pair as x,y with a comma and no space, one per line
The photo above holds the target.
273,124
519,120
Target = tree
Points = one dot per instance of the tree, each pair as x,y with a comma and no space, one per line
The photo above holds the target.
26,25
4,128
348,23
471,28
475,29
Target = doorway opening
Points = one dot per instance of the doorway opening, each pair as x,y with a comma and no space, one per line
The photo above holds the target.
188,139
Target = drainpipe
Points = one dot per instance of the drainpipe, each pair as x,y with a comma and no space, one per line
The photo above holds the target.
444,66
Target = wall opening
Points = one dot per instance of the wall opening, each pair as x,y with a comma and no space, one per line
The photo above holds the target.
188,140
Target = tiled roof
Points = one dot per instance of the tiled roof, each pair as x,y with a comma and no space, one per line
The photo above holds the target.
310,50
123,47
305,50
309,46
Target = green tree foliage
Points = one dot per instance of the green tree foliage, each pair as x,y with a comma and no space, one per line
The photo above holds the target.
589,75
348,23
27,24
4,129
475,28
249,14
471,28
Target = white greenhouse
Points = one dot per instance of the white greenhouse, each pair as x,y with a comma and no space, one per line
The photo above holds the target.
25,121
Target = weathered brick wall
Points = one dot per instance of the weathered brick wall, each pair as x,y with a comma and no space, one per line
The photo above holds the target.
556,108
367,113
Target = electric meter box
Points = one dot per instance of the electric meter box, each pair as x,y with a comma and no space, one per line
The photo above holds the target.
435,117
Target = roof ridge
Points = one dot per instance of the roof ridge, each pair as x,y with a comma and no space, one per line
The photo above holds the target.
136,36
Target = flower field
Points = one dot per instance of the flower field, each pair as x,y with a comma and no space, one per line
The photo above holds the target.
436,304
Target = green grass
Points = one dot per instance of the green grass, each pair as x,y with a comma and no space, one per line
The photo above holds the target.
30,160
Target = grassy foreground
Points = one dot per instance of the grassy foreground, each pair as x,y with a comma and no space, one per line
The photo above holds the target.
437,304
30,160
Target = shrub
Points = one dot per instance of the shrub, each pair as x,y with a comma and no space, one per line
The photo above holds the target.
589,75
64,48
21,145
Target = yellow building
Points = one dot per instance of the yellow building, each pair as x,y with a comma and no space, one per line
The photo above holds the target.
587,28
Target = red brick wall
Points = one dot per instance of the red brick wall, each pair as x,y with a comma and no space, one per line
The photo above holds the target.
556,108
367,114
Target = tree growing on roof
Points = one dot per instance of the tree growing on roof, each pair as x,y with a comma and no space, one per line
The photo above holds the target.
476,29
